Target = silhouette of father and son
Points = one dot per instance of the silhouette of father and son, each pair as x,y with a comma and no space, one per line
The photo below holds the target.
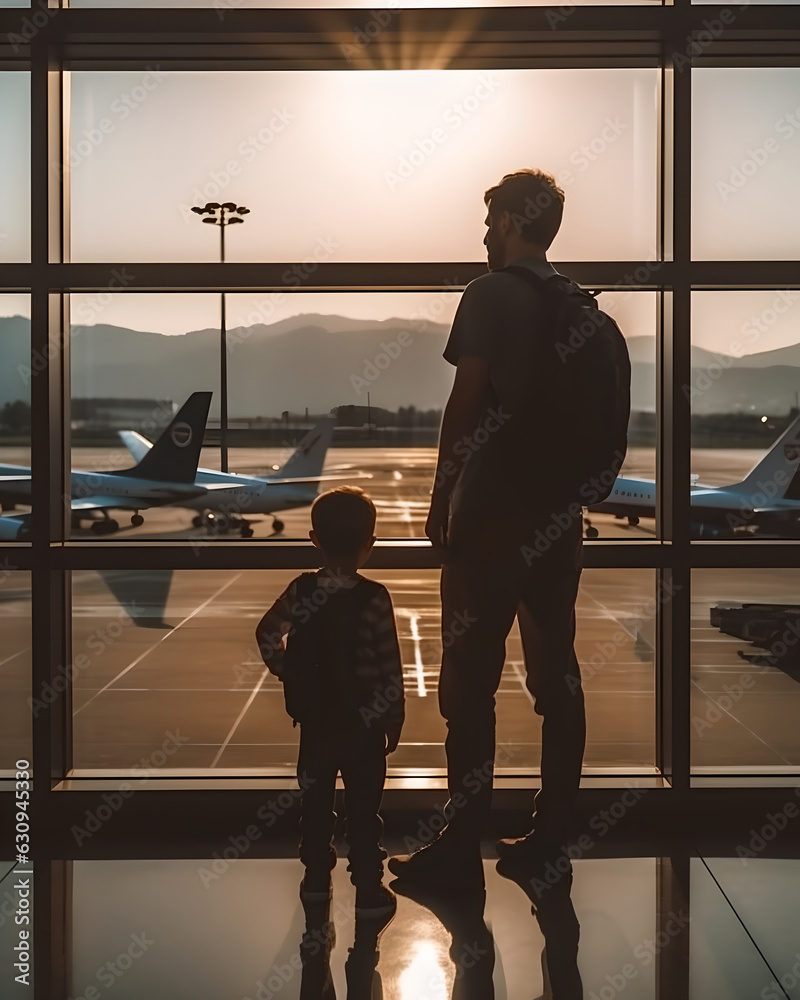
331,636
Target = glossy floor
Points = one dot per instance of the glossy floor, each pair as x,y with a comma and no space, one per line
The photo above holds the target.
637,928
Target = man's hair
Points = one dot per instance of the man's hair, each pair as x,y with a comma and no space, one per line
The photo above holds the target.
344,520
535,201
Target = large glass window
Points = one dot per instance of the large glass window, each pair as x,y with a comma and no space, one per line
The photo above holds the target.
369,363
745,397
356,166
15,668
17,371
167,676
745,671
745,159
15,168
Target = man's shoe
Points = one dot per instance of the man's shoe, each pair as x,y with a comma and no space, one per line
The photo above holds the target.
375,901
443,863
536,846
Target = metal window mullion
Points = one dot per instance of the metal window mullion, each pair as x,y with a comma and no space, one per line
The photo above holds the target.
674,629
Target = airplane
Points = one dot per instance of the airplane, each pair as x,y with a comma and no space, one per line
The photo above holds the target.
162,476
766,500
231,494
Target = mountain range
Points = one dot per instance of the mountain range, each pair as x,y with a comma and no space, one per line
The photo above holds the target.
321,361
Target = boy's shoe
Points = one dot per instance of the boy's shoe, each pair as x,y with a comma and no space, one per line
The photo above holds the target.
316,886
375,901
444,863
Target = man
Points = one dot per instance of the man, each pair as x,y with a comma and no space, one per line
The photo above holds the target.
495,491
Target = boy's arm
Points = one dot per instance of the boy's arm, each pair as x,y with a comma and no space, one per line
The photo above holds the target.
390,664
273,628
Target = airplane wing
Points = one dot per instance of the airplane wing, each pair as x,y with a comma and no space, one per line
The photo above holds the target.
104,501
138,445
319,479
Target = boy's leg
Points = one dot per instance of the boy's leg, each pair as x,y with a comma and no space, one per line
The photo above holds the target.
317,768
363,767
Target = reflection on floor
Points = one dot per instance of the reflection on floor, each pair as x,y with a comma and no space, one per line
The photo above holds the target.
675,928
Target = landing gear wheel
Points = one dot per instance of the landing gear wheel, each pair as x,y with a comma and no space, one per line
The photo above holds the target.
246,531
592,532
277,525
633,521
221,522
137,520
197,521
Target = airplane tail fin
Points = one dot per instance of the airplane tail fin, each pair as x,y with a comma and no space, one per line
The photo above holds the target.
175,455
776,474
307,459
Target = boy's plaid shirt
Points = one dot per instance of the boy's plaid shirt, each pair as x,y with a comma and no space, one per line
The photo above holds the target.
378,660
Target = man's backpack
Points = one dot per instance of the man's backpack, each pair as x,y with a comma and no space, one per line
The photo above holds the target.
583,394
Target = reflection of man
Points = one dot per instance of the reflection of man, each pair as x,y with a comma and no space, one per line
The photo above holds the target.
495,491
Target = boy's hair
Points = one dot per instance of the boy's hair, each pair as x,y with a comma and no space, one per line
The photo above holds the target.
344,520
535,201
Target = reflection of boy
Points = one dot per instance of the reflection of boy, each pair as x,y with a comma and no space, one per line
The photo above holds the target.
332,640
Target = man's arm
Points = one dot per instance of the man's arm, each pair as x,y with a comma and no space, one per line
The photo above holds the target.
469,389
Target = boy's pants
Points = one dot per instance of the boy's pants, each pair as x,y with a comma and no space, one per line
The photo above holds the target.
492,572
359,755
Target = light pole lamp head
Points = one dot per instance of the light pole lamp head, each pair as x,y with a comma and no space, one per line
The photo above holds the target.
229,206
212,206
213,222
242,210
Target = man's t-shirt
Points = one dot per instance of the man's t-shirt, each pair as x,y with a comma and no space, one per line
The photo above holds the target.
499,318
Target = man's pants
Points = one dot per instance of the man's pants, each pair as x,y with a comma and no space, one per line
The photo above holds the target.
494,571
361,759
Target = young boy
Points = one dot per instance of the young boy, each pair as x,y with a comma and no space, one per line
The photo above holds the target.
332,640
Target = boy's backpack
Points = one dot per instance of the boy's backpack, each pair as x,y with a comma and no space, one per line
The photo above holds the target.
583,398
319,680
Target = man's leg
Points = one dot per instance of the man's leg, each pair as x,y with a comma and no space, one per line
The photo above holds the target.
479,602
317,768
547,626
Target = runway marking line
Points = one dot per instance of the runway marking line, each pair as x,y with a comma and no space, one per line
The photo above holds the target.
163,638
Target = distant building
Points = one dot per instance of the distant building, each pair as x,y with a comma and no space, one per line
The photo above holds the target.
121,414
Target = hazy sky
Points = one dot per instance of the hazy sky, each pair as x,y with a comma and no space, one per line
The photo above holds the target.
391,166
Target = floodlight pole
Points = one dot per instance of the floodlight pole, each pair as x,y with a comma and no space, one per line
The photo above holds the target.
235,213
